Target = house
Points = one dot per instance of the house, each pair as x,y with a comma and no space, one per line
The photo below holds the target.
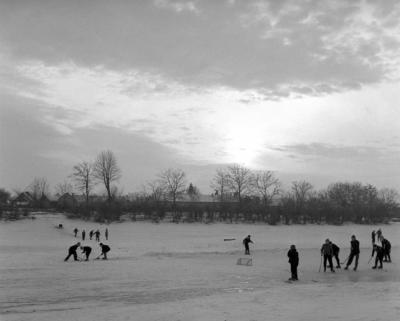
23,199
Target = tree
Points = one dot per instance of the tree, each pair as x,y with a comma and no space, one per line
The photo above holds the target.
266,185
193,192
39,188
239,180
4,196
63,188
156,190
174,183
301,192
220,183
106,170
84,178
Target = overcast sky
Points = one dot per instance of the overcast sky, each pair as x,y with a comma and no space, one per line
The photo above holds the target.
309,89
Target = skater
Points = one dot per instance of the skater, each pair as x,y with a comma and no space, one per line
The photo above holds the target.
379,255
354,253
336,250
379,235
246,242
386,248
75,231
373,235
91,234
72,251
97,234
60,226
104,250
327,252
83,235
293,256
106,233
87,250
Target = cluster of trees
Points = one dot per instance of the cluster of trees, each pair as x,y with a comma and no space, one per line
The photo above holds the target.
239,194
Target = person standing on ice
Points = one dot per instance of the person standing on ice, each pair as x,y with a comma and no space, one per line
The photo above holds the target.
354,253
327,252
293,256
104,250
83,235
379,235
97,234
91,234
72,251
246,242
75,231
106,233
87,250
336,251
373,235
380,252
386,249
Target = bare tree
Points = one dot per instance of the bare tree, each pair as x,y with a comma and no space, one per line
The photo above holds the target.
173,182
106,170
266,185
63,188
390,197
220,183
39,188
239,180
157,191
84,179
301,192
193,192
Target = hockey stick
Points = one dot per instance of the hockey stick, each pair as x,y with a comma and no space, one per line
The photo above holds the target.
370,259
320,265
345,261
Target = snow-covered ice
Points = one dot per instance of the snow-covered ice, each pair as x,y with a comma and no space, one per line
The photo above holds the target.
187,272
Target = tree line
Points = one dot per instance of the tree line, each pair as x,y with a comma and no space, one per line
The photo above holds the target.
239,195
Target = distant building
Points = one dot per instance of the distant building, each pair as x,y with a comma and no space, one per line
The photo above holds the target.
24,199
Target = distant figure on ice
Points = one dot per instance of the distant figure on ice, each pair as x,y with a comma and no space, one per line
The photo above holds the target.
60,226
72,251
83,235
246,242
104,250
379,255
91,234
379,235
87,250
373,235
75,231
354,253
97,234
106,233
327,252
336,250
386,249
293,256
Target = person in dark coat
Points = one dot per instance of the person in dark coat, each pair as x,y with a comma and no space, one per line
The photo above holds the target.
379,235
380,252
106,233
91,234
373,236
354,253
336,251
246,242
293,256
72,251
97,234
86,250
327,252
83,235
104,250
386,248
75,231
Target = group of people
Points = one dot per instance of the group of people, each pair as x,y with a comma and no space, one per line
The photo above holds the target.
92,233
72,251
380,248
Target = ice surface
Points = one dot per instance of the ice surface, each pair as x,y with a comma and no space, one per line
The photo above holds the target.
187,272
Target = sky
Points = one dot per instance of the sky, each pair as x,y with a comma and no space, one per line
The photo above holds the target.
308,89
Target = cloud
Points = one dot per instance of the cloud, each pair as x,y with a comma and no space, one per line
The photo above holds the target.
276,48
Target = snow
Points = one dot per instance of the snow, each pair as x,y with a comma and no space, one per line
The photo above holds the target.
187,272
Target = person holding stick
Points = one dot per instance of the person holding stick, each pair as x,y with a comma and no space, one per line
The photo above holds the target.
354,253
327,252
293,256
